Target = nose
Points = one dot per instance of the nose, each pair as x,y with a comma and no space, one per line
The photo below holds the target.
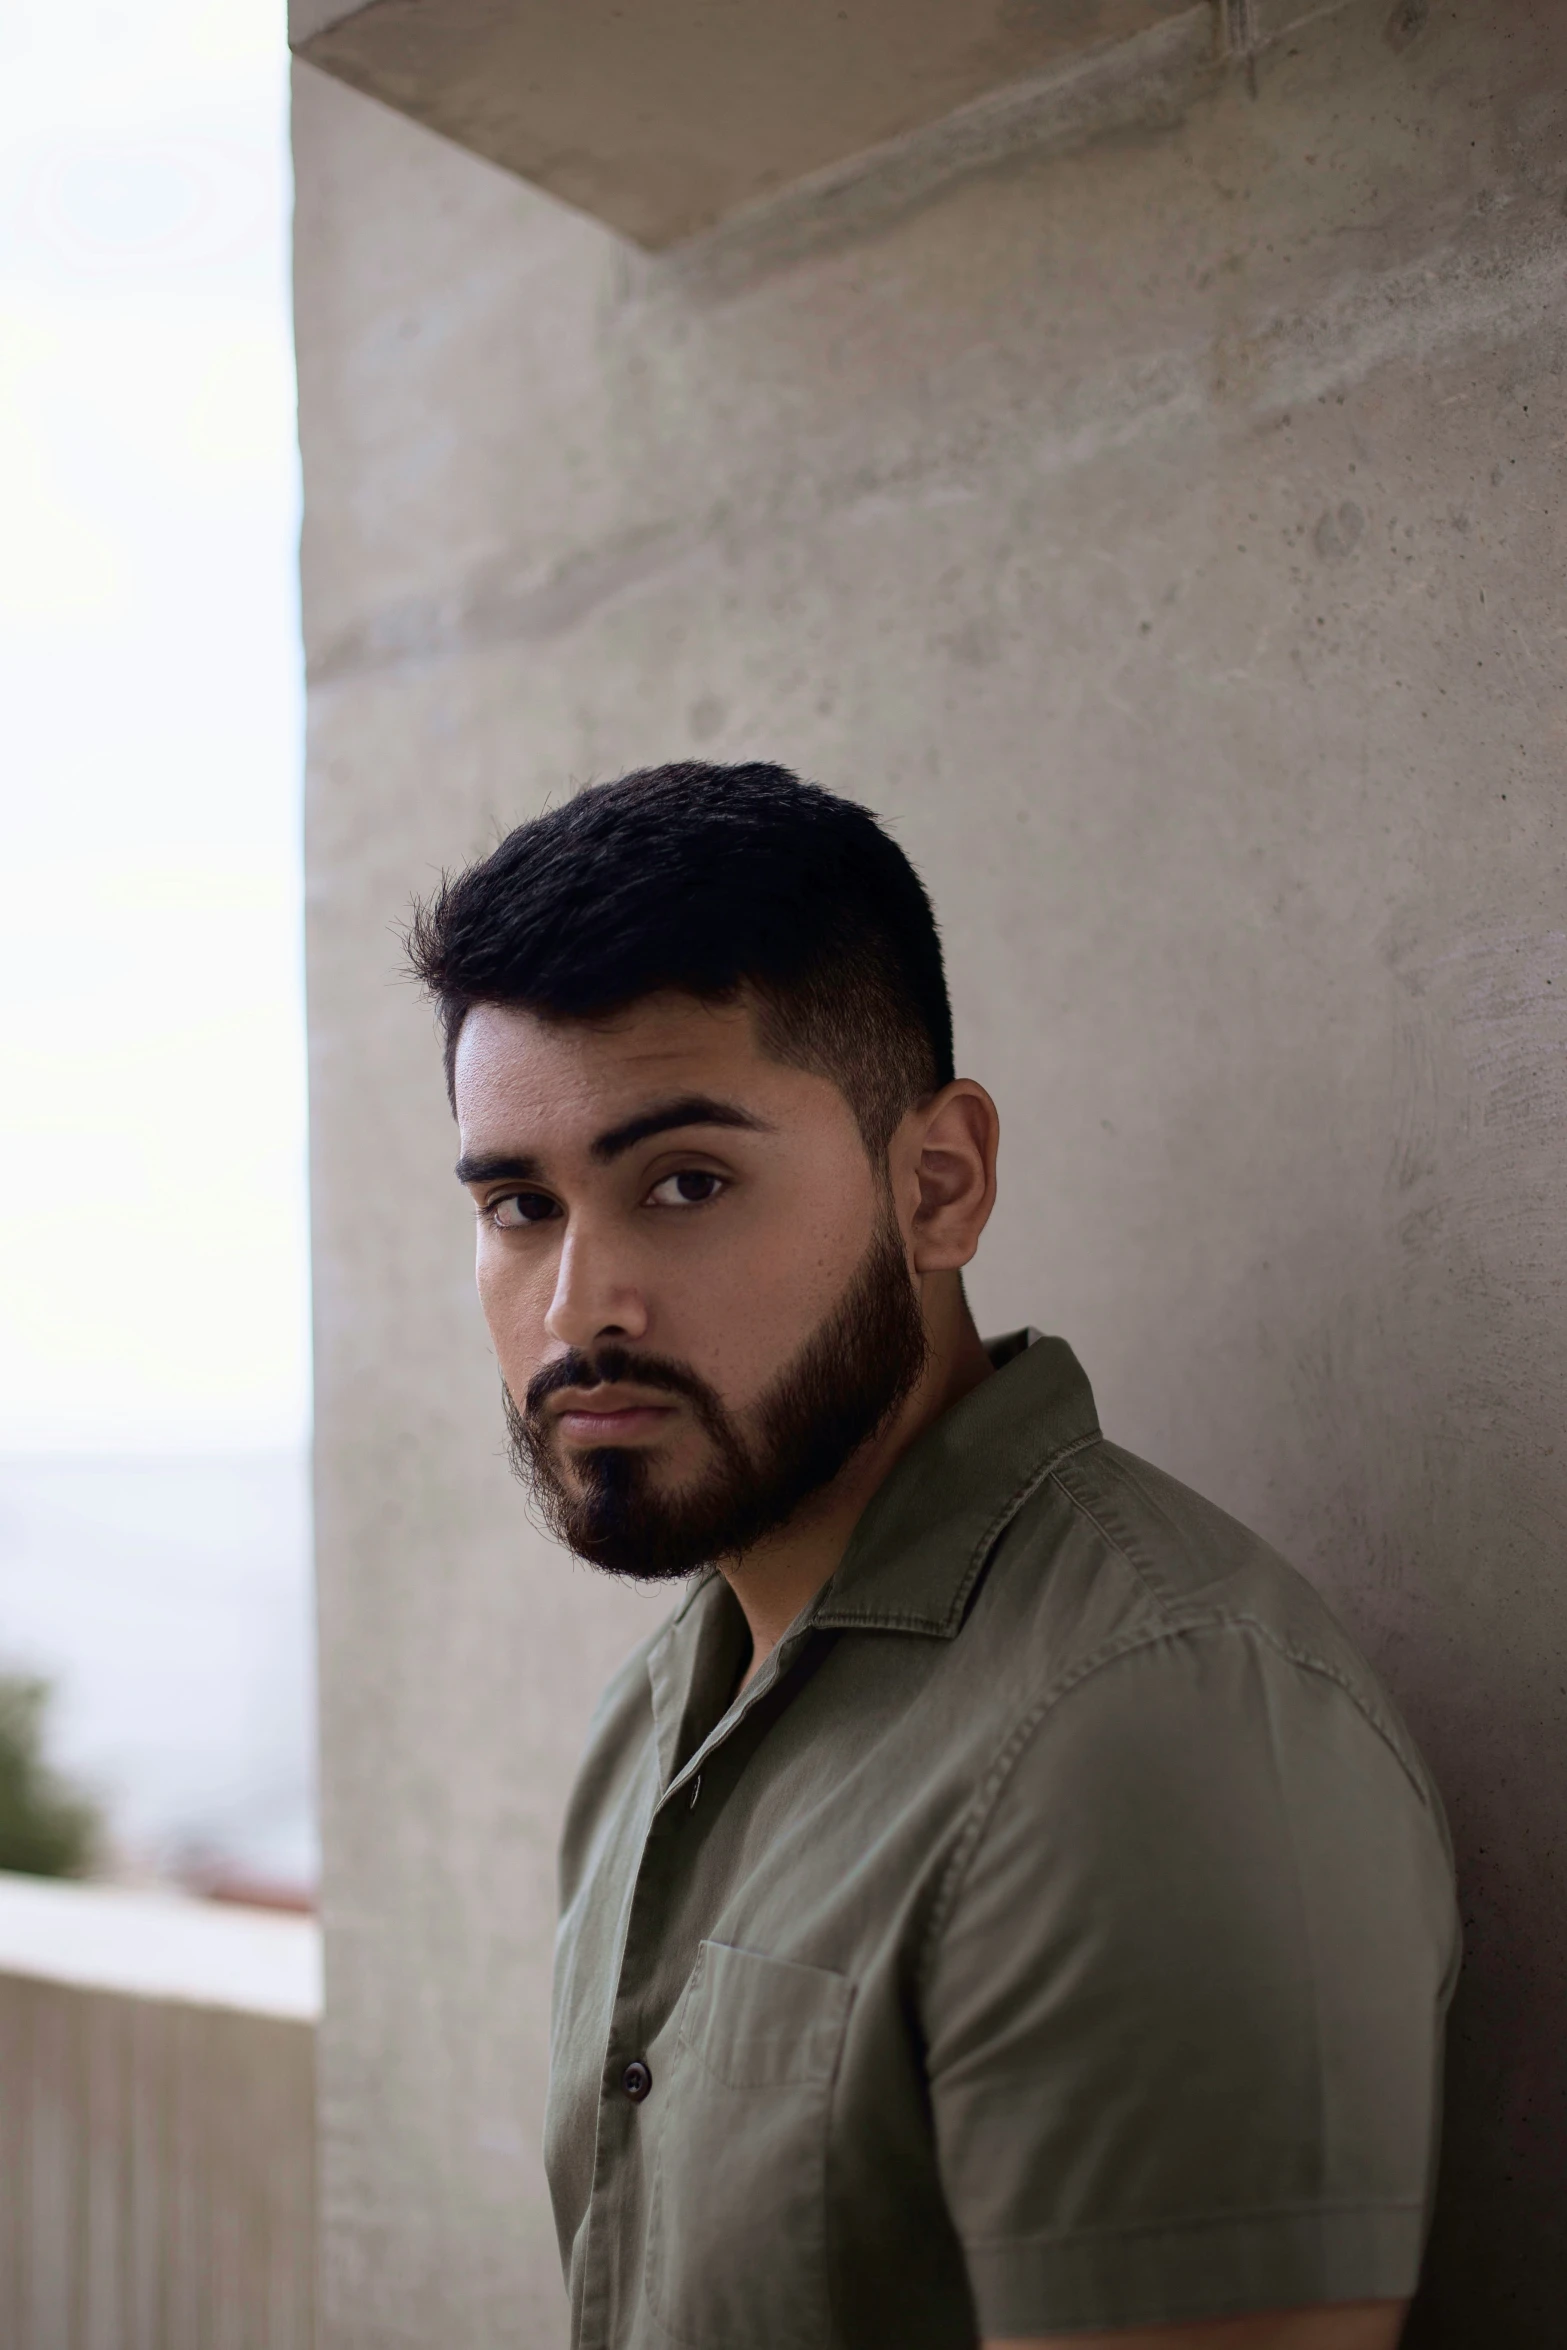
593,1300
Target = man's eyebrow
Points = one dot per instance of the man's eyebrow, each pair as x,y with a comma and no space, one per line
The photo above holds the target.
692,1109
494,1166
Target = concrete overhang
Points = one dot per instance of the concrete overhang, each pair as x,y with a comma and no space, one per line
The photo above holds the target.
664,117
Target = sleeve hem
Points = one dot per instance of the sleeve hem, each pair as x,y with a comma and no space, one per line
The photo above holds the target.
1221,2267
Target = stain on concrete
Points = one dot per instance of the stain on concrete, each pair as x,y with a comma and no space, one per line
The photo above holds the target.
706,716
1339,530
1408,20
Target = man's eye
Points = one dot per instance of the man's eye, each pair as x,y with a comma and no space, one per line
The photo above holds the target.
688,1189
519,1208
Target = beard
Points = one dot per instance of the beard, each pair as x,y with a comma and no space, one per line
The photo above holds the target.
842,1387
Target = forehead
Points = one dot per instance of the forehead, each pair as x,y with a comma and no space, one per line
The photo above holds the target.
522,1078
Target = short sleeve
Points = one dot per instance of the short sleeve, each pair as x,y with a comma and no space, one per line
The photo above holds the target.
1183,2004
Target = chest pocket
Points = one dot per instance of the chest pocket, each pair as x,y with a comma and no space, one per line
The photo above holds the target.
737,2223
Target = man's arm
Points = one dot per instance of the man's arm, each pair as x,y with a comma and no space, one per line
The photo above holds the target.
1361,2325
1183,2013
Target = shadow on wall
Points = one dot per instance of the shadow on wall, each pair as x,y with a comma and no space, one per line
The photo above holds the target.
1496,2273
1443,1503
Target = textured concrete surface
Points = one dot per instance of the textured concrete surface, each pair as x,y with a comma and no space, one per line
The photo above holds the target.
1165,533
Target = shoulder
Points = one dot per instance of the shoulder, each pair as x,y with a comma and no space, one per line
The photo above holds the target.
1120,1559
1183,1980
1188,1738
1209,1834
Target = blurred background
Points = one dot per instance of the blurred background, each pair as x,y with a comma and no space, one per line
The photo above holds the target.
154,1380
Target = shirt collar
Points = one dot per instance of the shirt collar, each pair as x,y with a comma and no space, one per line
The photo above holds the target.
925,1535
913,1559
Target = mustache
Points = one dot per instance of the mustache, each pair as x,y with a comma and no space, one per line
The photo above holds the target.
610,1365
821,1405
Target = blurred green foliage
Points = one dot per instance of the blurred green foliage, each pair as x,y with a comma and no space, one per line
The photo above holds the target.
45,1829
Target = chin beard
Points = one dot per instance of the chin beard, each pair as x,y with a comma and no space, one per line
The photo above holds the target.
840,1389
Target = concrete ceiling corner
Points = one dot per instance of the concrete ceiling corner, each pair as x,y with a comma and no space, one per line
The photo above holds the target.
307,18
664,117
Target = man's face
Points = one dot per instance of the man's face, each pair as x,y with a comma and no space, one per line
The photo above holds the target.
693,1277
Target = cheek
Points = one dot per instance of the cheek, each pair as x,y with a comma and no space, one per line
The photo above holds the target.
515,1296
752,1307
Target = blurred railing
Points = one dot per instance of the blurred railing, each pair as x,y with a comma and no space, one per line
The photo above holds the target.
156,2122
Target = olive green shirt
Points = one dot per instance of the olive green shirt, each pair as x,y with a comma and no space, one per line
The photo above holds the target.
1055,1934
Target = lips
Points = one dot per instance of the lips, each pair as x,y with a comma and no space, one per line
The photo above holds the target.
602,1422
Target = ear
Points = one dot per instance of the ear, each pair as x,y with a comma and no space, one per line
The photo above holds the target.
944,1162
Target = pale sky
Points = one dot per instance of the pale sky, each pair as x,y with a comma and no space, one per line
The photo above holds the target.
152,1206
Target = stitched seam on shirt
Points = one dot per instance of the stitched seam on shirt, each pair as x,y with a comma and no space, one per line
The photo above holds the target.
1305,1657
1245,2216
848,1619
1159,1598
1326,1670
1304,1929
996,1779
1009,1510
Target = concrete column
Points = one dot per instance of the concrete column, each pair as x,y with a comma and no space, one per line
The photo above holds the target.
1157,514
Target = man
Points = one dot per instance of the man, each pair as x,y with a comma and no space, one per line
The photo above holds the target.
999,1905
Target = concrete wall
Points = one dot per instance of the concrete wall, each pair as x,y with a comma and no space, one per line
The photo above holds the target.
1165,533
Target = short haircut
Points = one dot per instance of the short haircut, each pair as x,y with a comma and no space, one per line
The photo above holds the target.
723,882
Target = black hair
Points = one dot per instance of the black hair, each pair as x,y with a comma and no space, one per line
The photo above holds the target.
722,882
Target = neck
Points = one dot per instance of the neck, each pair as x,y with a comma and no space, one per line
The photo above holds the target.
777,1578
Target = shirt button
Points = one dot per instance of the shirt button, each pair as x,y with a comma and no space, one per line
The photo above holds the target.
636,2080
